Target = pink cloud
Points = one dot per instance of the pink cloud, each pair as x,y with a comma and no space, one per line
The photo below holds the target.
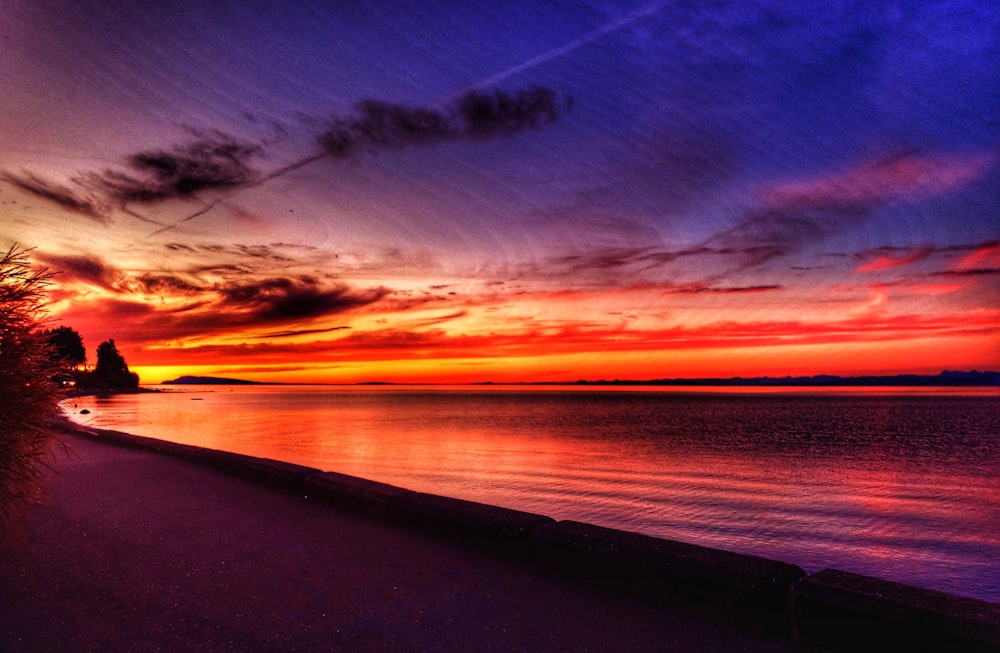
888,261
905,177
987,256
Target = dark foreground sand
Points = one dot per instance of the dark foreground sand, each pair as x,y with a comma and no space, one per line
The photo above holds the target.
132,551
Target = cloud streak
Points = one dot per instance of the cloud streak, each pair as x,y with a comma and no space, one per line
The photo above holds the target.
908,176
214,161
77,199
395,343
217,161
886,258
473,116
792,215
299,332
698,289
193,307
288,299
87,269
984,256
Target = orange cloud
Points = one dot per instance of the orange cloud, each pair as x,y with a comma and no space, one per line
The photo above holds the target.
389,344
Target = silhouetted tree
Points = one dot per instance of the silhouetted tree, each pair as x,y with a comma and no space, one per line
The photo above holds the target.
109,361
111,371
68,346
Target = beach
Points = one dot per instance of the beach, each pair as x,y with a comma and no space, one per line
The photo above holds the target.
141,544
134,551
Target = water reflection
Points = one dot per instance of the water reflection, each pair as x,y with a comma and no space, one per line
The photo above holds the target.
902,487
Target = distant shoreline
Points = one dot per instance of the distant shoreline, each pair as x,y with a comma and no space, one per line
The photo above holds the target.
946,378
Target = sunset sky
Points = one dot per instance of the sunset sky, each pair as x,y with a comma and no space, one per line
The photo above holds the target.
384,191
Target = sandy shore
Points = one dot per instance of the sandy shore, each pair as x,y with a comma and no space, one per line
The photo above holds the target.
132,551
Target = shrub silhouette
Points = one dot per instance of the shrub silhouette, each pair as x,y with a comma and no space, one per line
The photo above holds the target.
28,396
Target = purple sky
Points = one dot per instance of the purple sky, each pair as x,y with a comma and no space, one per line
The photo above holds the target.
347,191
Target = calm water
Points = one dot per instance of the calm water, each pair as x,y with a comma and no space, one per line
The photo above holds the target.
901,485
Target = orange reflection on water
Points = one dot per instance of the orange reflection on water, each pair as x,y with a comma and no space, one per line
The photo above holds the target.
850,479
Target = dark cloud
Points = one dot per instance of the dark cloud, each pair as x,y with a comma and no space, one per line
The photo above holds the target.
217,161
971,272
95,271
88,269
776,229
606,259
269,253
488,115
382,125
474,115
164,284
195,307
280,299
764,235
214,161
78,200
221,269
179,247
441,319
227,259
261,252
984,246
697,289
299,332
637,260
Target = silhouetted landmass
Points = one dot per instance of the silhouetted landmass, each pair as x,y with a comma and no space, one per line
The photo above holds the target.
110,375
944,379
210,380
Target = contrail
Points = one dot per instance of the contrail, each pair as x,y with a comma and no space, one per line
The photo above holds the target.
613,26
579,42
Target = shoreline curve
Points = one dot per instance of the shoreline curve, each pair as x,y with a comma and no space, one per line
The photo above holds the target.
827,608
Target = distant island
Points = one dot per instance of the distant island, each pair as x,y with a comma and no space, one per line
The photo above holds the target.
210,380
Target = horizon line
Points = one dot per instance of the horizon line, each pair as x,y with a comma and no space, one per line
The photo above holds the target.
980,378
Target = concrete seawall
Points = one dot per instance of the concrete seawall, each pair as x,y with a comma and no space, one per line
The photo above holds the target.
829,610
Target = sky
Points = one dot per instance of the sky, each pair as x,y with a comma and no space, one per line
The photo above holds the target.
468,191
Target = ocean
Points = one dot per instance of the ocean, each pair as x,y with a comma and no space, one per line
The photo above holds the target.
903,484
